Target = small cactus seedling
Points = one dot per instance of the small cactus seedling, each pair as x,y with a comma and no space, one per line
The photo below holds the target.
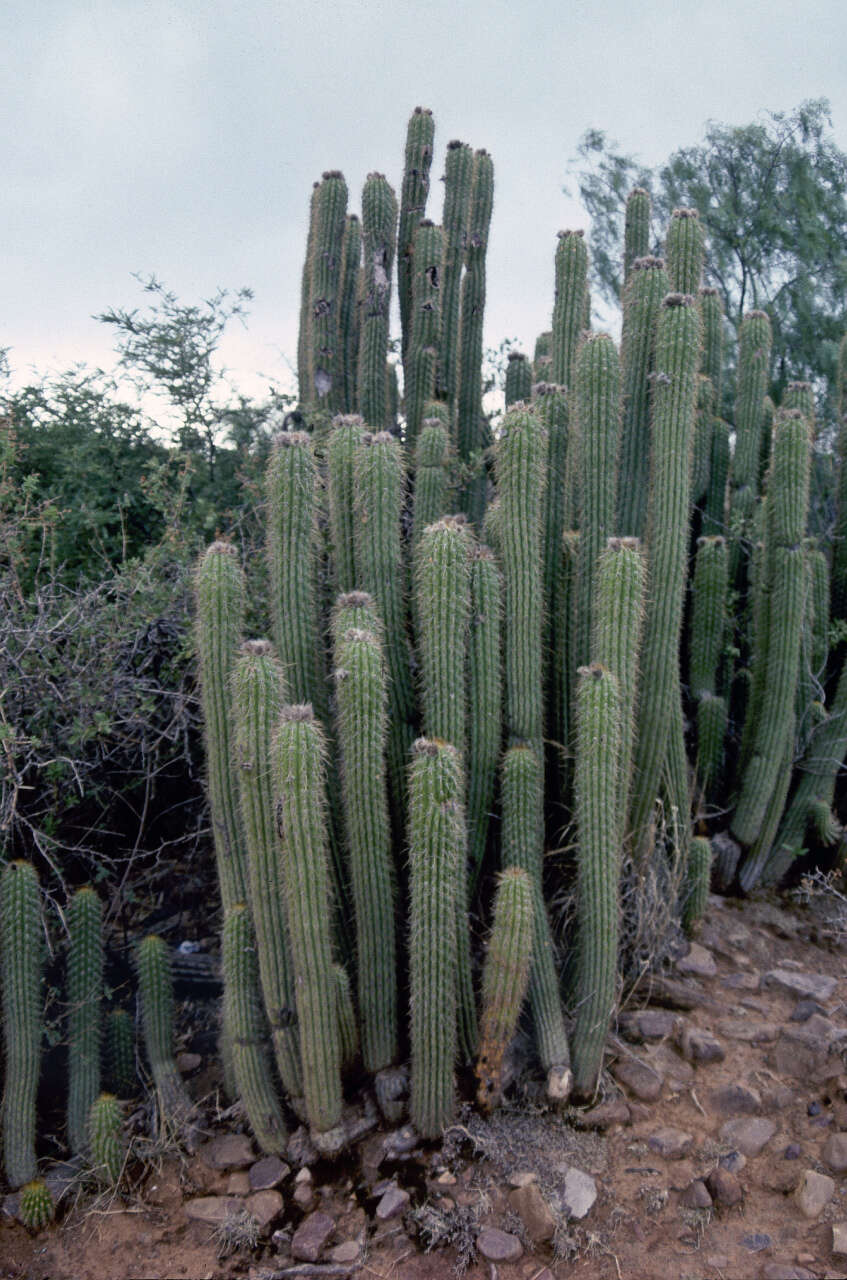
36,1205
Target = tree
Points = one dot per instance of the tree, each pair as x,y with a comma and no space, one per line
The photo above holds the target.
773,198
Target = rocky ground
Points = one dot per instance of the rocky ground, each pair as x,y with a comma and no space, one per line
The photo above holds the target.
718,1149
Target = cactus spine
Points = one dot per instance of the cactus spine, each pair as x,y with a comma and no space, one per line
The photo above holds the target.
379,228
484,701
36,1205
458,180
646,286
436,852
106,1142
298,767
413,196
518,378
244,1019
505,978
684,251
473,433
21,969
155,986
85,994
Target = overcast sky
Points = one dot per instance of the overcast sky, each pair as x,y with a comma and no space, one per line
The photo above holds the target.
182,137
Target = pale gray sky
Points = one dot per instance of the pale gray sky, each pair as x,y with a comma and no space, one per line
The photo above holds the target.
181,137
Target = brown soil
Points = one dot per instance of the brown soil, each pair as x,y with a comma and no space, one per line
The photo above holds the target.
639,1225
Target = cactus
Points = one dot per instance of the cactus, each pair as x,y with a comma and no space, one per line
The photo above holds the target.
413,196
571,278
106,1142
345,436
714,506
420,365
523,846
360,683
379,228
598,761
754,349
708,615
703,434
155,985
677,358
458,185
304,338
430,476
505,978
646,286
246,1024
518,378
436,853
684,251
21,970
258,693
697,879
473,433
484,701
839,543
636,243
299,775
443,594
348,1030
120,1053
711,733
349,312
36,1206
85,995
355,609
326,389
542,360
712,321
564,627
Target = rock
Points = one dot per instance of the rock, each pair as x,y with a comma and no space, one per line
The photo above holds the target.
401,1141
814,1193
393,1202
264,1206
699,962
814,986
677,1073
839,1237
696,1196
742,981
749,1134
641,1080
304,1196
776,1097
804,1050
674,993
498,1246
312,1236
781,1177
522,1178
735,1100
804,1009
792,1152
701,1046
670,1143
756,1241
229,1151
238,1183
301,1150
786,1271
604,1116
347,1252
834,1152
648,1024
213,1209
579,1194
534,1212
268,1173
726,853
724,1188
746,1031
734,1161
186,1063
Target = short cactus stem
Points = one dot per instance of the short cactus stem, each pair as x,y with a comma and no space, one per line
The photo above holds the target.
120,1053
431,462
36,1207
684,251
485,698
645,288
326,390
518,378
473,433
708,615
106,1142
346,434
505,978
348,1030
418,161
246,1025
458,186
443,595
354,610
85,997
636,233
697,878
436,855
542,359
379,228
155,985
21,972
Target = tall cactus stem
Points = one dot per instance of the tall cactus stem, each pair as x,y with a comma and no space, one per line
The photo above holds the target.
21,967
636,233
505,978
518,379
421,362
155,987
485,702
379,230
458,186
684,251
646,286
473,433
326,391
350,312
413,196
345,436
85,997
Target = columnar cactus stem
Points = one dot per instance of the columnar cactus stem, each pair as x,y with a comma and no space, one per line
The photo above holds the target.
485,698
551,405
571,278
708,616
346,434
505,978
327,363
304,339
379,229
425,343
839,544
85,997
703,435
684,251
714,506
349,308
120,1053
431,459
436,850
677,359
250,1063
299,774
636,235
712,320
155,986
754,350
473,434
598,760
565,686
646,286
360,684
355,610
523,846
542,360
518,378
106,1141
258,694
21,967
348,1031
415,189
697,878
458,185
711,732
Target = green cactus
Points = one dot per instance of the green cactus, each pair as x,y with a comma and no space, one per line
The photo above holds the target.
703,434
85,997
155,985
360,685
299,775
839,542
801,396
413,196
711,734
571,279
598,762
379,230
106,1141
248,1045
485,696
443,594
754,349
646,286
120,1053
636,234
458,185
712,320
345,436
565,670
355,609
708,615
698,874
542,360
714,504
674,393
473,434
36,1206
258,694
420,365
436,853
431,475
505,978
684,251
551,405
518,378
21,965
522,788
326,389
349,311
304,337
348,1030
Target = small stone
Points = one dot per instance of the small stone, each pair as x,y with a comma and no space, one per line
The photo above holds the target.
534,1212
814,1109
839,1237
301,1150
229,1151
212,1209
446,1179
649,1024
264,1206
678,1074
792,1152
696,1196
304,1196
736,1100
742,981
777,1097
786,1271
780,1177
499,1246
834,1152
804,1009
186,1063
814,986
401,1141
718,1261
698,961
580,1192
734,1161
394,1202
701,1046
725,1188
302,1175
347,1251
746,1031
312,1236
643,1081
523,1178
749,1134
814,1193
756,1241
604,1116
268,1173
238,1183
670,1143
